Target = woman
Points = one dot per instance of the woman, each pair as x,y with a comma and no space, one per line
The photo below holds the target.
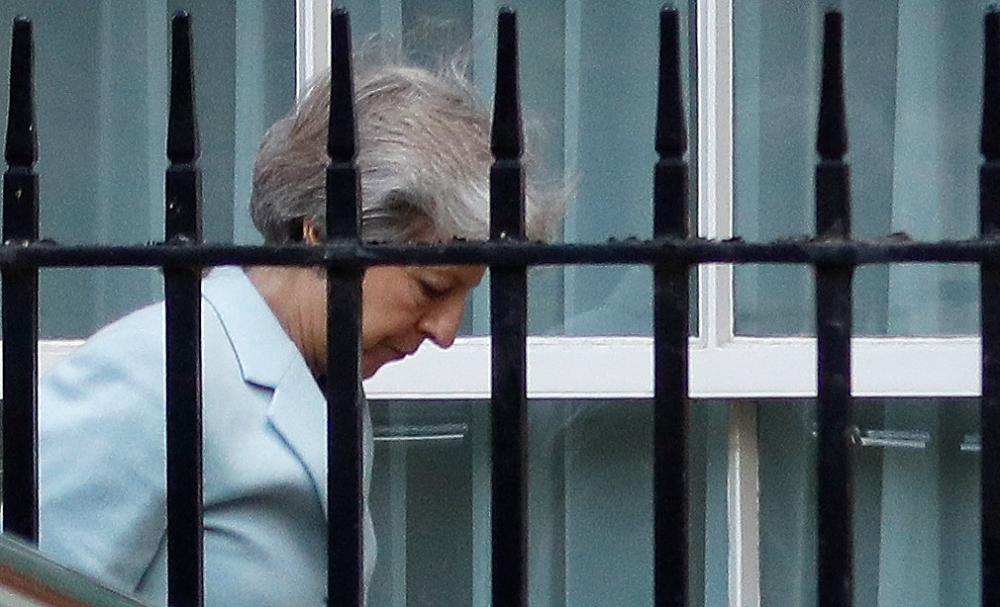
424,159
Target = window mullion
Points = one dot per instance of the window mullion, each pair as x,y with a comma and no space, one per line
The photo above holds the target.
312,39
715,166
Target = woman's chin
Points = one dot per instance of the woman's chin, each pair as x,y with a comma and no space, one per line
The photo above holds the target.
372,363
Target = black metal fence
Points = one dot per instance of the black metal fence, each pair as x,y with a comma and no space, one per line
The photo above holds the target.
672,252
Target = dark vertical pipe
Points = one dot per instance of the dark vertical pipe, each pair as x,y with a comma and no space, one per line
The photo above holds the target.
833,333
20,298
670,330
182,295
508,328
989,227
345,543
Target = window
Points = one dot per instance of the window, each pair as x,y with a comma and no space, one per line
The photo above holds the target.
913,78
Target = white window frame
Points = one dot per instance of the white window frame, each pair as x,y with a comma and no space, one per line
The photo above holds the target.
722,364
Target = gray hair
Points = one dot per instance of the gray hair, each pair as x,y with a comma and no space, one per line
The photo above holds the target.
424,158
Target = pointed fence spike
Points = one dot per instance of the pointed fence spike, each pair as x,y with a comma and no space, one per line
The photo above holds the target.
343,194
183,205
22,142
831,139
506,137
671,134
342,135
989,143
182,127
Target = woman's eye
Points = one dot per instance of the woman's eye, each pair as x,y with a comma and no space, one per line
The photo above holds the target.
430,290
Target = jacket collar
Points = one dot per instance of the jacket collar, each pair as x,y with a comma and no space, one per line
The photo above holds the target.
263,349
269,359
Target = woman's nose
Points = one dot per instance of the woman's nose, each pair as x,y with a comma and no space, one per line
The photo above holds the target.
441,324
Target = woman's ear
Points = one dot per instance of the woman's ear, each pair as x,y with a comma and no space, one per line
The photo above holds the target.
311,232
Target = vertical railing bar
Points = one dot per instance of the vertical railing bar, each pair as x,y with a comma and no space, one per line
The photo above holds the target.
670,331
989,227
20,298
182,303
345,540
508,329
833,335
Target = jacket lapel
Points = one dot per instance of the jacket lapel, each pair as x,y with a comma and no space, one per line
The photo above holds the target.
298,415
269,359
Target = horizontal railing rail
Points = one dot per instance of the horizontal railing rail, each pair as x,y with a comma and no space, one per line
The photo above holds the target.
622,252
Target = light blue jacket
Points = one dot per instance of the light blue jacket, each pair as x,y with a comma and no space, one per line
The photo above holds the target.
102,470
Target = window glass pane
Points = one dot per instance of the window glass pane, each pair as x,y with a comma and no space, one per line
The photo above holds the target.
101,107
903,299
610,119
913,85
590,503
916,503
588,85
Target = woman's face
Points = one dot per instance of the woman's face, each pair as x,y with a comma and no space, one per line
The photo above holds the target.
401,306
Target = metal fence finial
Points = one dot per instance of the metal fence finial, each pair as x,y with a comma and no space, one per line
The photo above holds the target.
833,215
671,133
989,143
343,196
831,136
182,130
506,139
670,213
506,133
22,141
342,138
